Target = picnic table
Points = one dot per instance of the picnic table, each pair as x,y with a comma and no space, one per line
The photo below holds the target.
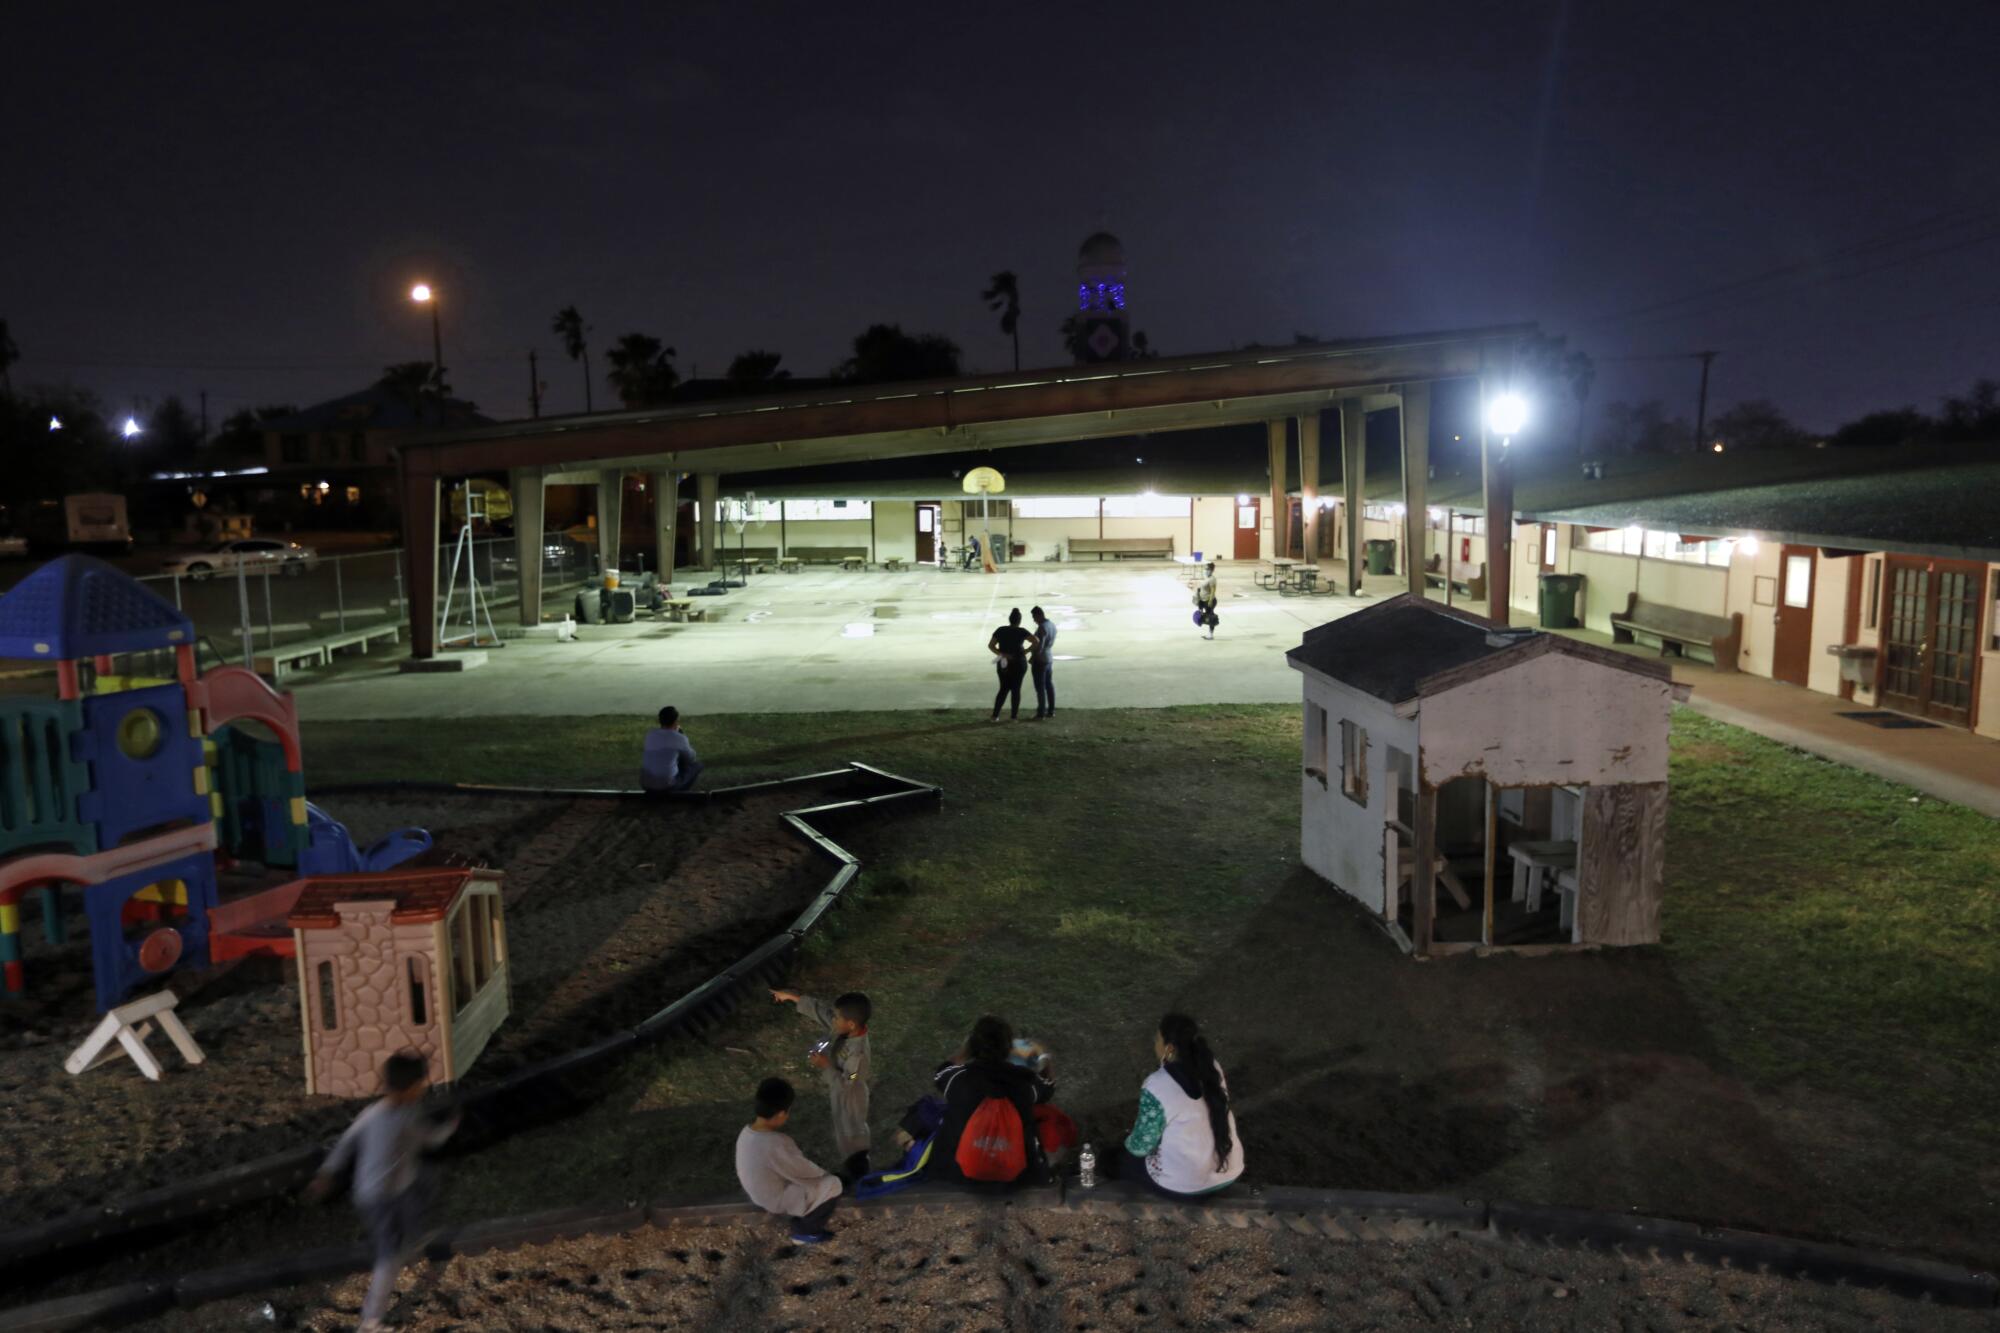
1536,863
853,563
1281,572
895,564
1305,578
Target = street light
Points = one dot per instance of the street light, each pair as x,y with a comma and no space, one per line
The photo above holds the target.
1506,415
423,295
131,428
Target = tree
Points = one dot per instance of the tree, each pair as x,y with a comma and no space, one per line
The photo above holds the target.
883,353
1003,296
1884,430
1975,416
10,352
1554,368
56,442
757,366
416,381
569,326
1756,424
1642,428
1075,340
241,436
172,436
642,370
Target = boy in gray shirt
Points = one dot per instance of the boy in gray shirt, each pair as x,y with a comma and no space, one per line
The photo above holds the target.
776,1175
843,1062
383,1144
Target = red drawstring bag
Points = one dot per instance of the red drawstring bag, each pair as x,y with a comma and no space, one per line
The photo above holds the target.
993,1146
1055,1129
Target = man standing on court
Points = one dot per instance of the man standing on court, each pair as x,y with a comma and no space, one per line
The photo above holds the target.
1044,664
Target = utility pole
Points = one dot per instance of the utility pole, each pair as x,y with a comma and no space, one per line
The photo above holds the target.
1701,405
204,416
534,386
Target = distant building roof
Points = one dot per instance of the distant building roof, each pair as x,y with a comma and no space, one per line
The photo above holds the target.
379,407
1395,649
77,606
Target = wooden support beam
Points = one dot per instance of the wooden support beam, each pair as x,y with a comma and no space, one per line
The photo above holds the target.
419,494
1423,883
1353,487
1281,508
1416,423
526,486
1492,852
666,488
1309,510
610,518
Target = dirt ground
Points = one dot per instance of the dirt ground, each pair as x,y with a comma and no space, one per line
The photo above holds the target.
1052,1270
615,908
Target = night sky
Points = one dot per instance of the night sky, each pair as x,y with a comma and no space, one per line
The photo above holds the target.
236,199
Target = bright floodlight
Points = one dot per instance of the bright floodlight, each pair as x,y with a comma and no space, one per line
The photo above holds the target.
55,423
421,292
1507,414
130,428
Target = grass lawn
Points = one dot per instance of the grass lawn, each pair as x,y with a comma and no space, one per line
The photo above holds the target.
1805,1052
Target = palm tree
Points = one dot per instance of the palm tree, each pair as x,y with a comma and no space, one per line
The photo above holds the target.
569,327
416,382
10,352
642,370
1003,295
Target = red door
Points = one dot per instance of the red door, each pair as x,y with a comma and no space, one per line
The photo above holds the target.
1791,650
927,526
1249,520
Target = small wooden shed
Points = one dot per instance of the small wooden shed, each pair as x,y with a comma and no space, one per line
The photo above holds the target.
409,959
1481,787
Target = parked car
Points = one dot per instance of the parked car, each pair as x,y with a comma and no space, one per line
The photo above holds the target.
254,554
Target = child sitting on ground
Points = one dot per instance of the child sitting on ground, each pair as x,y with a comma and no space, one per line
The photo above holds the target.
843,1062
777,1176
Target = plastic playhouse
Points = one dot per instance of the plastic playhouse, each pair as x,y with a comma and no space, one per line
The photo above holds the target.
135,789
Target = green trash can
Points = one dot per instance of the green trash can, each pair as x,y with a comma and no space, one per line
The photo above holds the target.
1381,557
1559,600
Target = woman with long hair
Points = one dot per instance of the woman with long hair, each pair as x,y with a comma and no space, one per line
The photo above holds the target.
985,1072
1185,1142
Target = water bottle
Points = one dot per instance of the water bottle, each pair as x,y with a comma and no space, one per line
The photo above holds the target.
1086,1165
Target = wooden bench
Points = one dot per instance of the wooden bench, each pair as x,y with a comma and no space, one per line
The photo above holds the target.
789,564
895,564
391,630
1677,628
1466,577
828,555
1122,548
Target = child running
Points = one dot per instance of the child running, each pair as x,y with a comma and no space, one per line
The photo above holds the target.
777,1176
843,1063
382,1145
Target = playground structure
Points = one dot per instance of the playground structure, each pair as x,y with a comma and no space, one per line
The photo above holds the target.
139,790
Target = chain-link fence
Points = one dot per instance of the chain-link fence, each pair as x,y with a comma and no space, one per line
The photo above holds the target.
257,608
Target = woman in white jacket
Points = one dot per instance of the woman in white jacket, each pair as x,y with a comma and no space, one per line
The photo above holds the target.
1185,1142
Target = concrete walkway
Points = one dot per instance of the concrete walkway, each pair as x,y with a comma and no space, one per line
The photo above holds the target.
828,641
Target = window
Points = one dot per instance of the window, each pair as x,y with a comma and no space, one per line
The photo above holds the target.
1392,513
926,518
1875,564
1549,545
354,495
328,1017
1316,742
1353,762
1993,615
1057,506
416,974
357,446
1655,545
758,511
329,448
795,510
1798,580
1246,516
1147,506
292,448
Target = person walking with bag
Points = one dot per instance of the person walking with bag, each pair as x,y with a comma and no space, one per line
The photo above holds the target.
1204,604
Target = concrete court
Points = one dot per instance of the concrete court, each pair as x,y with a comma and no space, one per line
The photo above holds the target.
829,641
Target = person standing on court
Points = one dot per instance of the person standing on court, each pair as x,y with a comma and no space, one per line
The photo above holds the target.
1044,663
1204,603
1011,647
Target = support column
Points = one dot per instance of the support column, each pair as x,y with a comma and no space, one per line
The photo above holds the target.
1416,421
1309,483
707,491
1423,870
666,488
1281,508
1497,477
419,495
1353,485
610,517
530,507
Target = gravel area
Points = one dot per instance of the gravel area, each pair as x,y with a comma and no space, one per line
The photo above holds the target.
615,908
1053,1270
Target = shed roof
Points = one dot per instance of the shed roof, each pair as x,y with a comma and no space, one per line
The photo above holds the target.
77,606
1407,647
418,895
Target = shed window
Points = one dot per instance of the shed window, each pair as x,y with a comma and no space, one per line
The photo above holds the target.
1874,617
1353,762
420,1009
1316,742
329,1018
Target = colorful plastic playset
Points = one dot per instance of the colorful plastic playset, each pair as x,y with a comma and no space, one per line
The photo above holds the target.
137,790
